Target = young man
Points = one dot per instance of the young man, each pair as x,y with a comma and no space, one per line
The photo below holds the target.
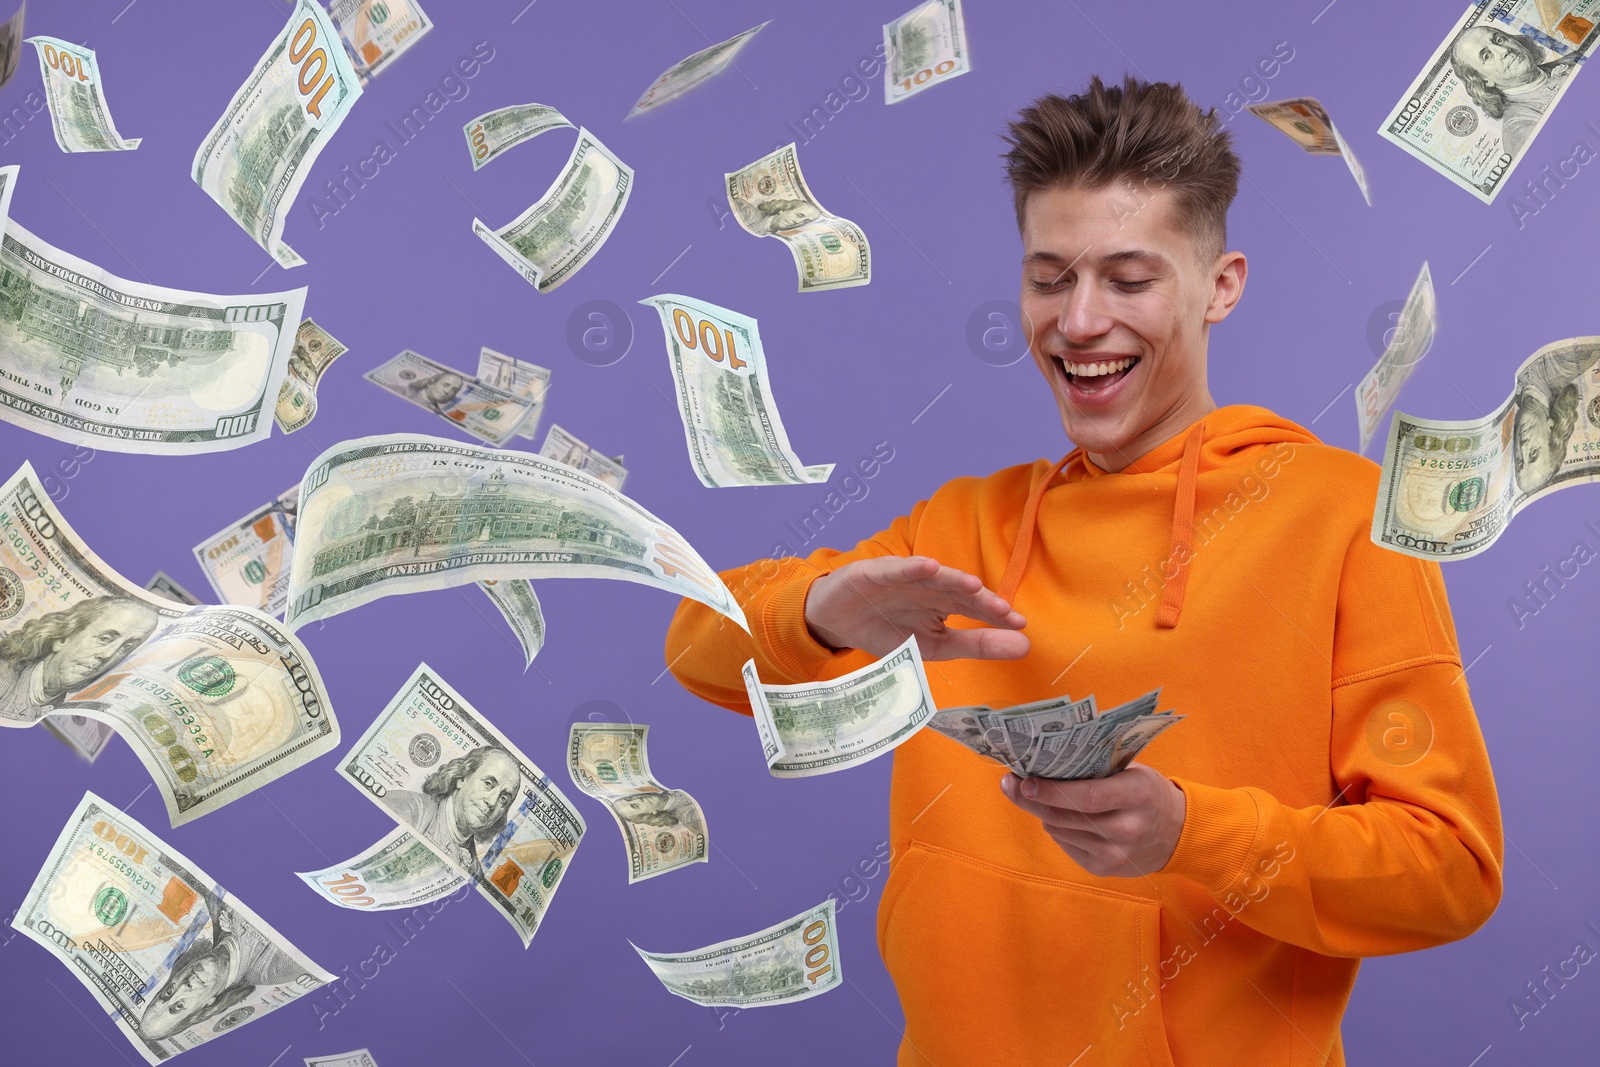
1328,796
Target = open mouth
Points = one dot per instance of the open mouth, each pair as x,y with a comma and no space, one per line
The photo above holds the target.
1090,377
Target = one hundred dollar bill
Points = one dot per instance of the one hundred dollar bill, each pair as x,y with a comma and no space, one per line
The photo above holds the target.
452,513
11,44
215,701
502,129
1490,86
519,606
485,411
528,380
83,735
442,771
77,99
925,46
564,228
377,32
1059,738
689,73
1449,488
791,961
821,727
248,562
173,958
663,829
1413,336
770,198
724,393
1305,122
397,872
314,351
163,584
562,447
359,1058
258,154
164,371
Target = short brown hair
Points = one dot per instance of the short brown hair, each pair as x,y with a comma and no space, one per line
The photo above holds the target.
1147,132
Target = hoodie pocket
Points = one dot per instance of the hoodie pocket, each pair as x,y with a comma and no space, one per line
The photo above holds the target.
997,966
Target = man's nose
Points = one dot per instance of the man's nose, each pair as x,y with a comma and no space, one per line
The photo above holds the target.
1082,315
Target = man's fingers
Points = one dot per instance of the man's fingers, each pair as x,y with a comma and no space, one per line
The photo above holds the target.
973,644
1095,796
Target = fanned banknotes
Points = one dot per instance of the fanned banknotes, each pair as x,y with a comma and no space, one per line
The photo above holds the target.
77,100
502,129
442,771
248,562
663,829
377,32
172,957
794,960
926,46
564,228
398,872
215,701
1059,737
528,380
697,69
256,157
564,448
820,727
1305,122
770,198
724,393
1490,87
485,411
315,349
1449,488
400,513
165,371
1413,336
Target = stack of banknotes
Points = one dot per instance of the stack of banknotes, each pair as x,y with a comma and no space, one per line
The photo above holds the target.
1058,738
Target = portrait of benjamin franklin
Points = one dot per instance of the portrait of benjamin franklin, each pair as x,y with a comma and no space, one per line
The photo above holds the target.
663,811
1511,78
1548,398
464,804
781,216
437,391
46,658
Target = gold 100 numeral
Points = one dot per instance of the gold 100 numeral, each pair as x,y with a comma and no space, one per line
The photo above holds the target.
703,335
313,64
67,63
818,954
921,77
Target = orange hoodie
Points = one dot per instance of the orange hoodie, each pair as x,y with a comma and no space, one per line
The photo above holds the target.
1340,802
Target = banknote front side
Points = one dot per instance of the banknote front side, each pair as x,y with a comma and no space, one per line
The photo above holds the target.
770,198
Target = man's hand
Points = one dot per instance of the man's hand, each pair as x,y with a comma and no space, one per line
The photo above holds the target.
1117,827
872,604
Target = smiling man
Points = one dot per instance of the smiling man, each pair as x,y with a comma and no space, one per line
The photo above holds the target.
1328,796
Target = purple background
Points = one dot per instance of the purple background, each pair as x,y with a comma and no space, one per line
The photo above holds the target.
398,267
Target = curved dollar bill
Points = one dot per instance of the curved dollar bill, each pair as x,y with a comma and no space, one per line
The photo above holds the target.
258,154
564,228
719,376
400,513
1413,336
495,132
248,562
485,411
215,701
925,47
85,736
663,829
697,69
315,349
528,380
359,1058
1449,125
164,371
137,922
794,960
519,605
377,32
1449,488
76,98
399,871
163,584
442,771
770,198
1305,122
563,447
820,727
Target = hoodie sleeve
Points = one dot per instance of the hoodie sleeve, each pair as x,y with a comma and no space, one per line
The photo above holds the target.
1410,853
706,653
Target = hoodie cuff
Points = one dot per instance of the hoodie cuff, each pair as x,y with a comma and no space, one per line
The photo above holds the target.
781,621
1220,832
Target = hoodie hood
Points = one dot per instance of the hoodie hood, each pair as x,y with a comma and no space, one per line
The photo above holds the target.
1215,441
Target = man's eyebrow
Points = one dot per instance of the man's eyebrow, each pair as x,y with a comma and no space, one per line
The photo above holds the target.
1129,255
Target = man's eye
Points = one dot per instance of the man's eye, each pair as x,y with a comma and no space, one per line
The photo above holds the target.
1045,285
1136,286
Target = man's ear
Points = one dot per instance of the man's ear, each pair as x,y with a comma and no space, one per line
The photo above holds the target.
1227,286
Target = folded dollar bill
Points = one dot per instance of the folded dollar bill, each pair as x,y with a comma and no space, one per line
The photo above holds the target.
663,829
566,449
485,411
1449,488
173,958
248,562
359,1058
1059,737
688,73
724,393
519,606
794,960
83,735
820,727
925,47
443,771
1413,336
498,131
164,585
770,198
376,32
314,351
400,871
1305,122
77,99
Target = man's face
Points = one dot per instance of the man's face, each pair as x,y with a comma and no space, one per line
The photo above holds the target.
78,659
197,986
1496,56
791,217
443,388
640,804
1119,311
485,795
1535,457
